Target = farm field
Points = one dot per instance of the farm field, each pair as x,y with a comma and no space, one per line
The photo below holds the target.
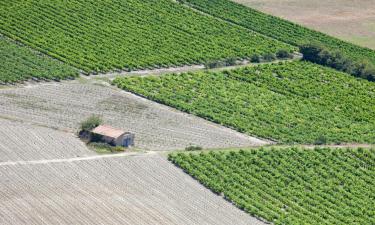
132,190
233,122
100,36
291,186
277,28
19,63
23,142
353,21
64,105
294,102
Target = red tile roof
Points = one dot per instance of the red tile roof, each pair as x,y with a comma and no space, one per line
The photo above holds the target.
108,131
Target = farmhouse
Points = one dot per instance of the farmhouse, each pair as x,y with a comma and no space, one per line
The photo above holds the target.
113,136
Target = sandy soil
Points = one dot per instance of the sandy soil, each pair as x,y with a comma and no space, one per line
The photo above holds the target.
351,20
118,190
157,127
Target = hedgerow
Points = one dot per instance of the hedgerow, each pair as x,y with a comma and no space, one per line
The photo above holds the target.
294,102
320,54
291,186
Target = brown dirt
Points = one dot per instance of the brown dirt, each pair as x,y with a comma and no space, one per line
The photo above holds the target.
351,20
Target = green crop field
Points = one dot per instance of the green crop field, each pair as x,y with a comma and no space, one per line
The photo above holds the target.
20,63
288,102
291,186
277,28
99,36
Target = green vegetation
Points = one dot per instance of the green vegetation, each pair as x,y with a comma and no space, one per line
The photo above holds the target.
19,63
284,54
104,148
319,54
277,28
91,122
193,148
134,34
291,186
289,102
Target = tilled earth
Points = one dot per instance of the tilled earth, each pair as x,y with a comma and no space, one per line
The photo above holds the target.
137,190
157,127
21,142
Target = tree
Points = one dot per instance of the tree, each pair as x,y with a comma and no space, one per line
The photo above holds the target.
91,122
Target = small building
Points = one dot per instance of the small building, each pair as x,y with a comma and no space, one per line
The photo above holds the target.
113,136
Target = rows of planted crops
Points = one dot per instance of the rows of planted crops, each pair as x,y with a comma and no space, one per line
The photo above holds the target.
20,63
135,34
291,186
277,28
288,102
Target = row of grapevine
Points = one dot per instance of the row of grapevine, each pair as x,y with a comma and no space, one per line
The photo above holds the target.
277,28
99,36
19,63
291,186
288,102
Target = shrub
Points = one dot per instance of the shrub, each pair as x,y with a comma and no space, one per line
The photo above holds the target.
255,58
104,147
268,57
284,54
231,61
321,140
193,148
214,64
91,122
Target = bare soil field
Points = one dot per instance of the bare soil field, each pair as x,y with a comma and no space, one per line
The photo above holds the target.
157,127
350,20
20,142
118,190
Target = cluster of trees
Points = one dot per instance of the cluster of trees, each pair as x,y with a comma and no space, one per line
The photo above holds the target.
290,185
318,53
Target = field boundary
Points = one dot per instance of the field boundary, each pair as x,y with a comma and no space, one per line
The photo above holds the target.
184,69
69,160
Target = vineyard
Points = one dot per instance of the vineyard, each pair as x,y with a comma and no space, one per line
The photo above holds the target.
277,28
291,186
100,36
19,63
294,102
